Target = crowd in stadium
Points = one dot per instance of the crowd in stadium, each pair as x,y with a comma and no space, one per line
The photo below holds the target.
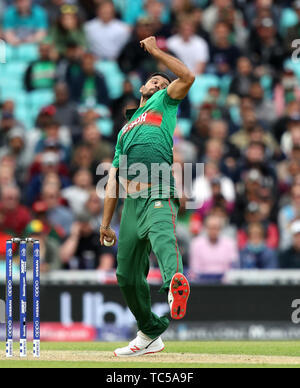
73,68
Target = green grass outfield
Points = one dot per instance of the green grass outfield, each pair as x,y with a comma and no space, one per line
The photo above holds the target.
176,354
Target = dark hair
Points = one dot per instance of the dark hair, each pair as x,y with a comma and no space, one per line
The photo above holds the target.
161,74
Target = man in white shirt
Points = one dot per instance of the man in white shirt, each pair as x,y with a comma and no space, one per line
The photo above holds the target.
106,35
190,48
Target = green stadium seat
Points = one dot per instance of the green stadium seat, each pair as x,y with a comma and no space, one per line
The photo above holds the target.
201,86
38,99
185,126
27,52
113,76
105,126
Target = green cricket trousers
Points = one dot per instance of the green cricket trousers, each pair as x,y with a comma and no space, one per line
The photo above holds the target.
147,224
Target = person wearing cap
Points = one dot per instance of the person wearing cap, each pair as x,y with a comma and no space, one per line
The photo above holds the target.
49,248
51,141
24,22
265,45
133,59
290,258
8,121
49,165
68,27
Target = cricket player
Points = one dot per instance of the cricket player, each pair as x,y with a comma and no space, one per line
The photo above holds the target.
150,209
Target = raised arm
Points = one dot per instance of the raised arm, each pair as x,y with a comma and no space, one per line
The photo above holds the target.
110,203
179,88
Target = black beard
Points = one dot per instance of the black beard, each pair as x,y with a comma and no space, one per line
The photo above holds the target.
148,95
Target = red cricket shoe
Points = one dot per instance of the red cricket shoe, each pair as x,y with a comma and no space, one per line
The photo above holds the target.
178,296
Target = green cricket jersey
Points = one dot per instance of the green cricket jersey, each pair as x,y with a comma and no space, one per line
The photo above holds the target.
147,138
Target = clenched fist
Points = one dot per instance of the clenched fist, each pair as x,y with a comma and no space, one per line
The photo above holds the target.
149,44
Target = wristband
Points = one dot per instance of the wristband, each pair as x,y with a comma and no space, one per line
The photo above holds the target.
105,227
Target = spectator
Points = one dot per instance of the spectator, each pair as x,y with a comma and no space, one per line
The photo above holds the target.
290,258
102,150
213,254
82,249
287,215
291,138
134,59
114,33
87,86
52,142
49,166
41,74
288,170
188,47
241,83
264,109
24,22
223,54
49,248
68,28
94,207
265,45
287,90
8,121
16,148
255,158
78,194
58,215
66,111
248,133
213,186
14,216
256,254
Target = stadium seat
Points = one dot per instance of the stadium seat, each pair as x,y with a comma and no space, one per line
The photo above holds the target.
105,126
27,52
294,66
200,88
185,126
38,99
113,76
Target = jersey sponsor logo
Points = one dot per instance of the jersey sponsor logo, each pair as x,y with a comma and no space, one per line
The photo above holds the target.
149,118
158,205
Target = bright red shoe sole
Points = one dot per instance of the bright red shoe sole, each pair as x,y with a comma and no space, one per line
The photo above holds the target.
180,289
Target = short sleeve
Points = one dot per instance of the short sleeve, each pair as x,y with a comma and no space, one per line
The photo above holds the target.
169,100
41,18
8,19
117,152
